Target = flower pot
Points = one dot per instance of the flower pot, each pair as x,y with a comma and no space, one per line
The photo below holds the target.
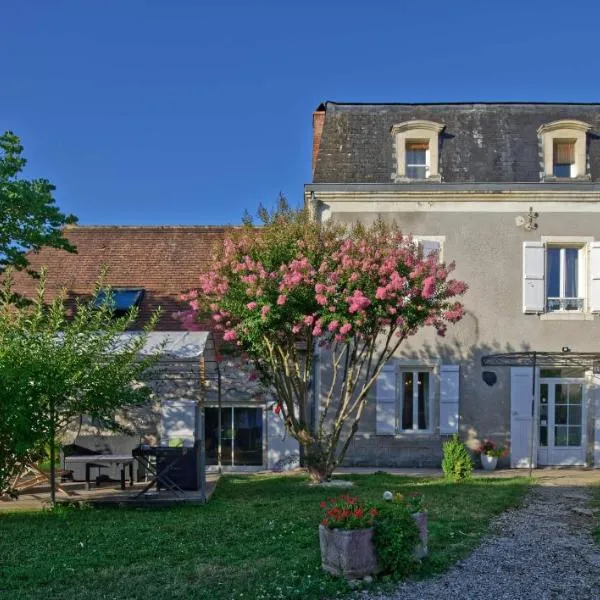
348,552
420,519
489,462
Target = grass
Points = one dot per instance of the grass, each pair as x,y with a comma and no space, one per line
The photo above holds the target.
257,538
595,503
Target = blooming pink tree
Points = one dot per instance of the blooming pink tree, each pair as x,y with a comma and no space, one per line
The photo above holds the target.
293,287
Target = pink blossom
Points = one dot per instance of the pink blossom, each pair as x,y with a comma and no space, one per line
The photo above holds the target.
346,328
333,325
322,300
429,287
296,328
264,311
317,331
309,320
230,335
251,305
282,299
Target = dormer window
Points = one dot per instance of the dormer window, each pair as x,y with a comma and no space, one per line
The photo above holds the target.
563,158
564,150
417,159
417,151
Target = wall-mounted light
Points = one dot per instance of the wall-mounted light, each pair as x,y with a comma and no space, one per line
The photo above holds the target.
566,349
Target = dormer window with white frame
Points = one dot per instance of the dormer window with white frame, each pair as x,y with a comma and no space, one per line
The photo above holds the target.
417,151
564,150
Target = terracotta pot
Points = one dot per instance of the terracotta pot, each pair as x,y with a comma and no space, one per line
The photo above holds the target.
420,519
489,462
349,553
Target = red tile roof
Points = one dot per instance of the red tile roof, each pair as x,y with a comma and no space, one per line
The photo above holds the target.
164,260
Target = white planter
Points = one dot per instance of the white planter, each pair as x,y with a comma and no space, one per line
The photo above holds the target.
489,462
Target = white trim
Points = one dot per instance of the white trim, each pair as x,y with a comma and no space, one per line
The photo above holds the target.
572,315
429,204
415,400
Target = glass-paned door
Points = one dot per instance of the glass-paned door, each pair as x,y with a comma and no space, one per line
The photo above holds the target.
241,442
561,422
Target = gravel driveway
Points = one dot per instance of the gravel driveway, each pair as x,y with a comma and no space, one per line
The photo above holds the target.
542,550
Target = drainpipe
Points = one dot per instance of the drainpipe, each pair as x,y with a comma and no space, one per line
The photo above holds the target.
532,433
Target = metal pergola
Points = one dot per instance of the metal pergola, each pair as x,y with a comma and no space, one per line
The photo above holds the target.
565,358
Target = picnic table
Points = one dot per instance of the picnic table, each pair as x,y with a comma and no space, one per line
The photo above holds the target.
94,460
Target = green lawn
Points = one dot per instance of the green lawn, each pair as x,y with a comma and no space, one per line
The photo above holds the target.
257,538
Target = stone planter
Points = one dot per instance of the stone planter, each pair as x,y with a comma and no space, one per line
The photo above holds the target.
420,519
489,462
349,553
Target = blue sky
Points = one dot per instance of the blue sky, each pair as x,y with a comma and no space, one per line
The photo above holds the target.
188,111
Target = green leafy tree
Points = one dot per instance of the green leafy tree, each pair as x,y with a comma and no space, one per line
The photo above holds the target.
55,367
29,217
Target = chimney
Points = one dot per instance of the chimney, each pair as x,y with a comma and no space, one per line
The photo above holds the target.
318,122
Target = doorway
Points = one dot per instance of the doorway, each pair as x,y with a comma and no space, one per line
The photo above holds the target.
241,443
562,438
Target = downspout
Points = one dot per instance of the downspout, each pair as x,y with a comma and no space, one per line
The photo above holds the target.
532,433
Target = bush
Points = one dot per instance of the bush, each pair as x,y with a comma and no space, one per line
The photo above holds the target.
396,536
457,464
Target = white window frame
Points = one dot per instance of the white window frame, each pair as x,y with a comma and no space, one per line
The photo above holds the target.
582,245
427,160
440,239
573,169
415,400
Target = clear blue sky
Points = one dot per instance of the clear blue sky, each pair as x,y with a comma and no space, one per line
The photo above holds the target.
189,111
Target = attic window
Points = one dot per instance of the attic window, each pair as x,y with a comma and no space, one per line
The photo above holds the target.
121,300
563,158
564,149
417,159
417,149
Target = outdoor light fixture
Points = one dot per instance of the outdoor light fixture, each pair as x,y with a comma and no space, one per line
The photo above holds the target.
489,377
566,349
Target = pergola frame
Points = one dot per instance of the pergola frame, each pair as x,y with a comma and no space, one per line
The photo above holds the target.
535,360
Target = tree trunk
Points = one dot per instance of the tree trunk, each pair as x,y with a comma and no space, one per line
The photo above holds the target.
317,465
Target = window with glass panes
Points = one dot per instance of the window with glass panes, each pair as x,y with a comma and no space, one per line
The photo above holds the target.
563,158
414,400
563,275
417,156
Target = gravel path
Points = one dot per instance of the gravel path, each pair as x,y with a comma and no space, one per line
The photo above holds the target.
543,550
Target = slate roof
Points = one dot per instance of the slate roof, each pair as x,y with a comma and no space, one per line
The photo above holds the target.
482,142
165,261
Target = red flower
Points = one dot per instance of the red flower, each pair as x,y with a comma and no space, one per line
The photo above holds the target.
323,504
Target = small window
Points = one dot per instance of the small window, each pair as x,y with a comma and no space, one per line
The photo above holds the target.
563,161
429,247
414,400
417,159
563,279
121,299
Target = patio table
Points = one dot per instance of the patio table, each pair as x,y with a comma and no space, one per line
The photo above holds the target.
124,460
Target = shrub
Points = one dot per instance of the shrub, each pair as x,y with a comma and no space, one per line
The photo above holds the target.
396,536
457,464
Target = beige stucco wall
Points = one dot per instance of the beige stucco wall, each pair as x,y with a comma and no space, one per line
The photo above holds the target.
487,247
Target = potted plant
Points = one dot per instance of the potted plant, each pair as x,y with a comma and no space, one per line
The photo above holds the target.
418,511
490,453
346,537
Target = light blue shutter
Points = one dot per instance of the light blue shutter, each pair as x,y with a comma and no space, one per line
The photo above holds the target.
594,295
534,269
386,401
449,398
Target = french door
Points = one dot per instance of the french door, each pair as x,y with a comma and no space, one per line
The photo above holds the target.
561,435
241,441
